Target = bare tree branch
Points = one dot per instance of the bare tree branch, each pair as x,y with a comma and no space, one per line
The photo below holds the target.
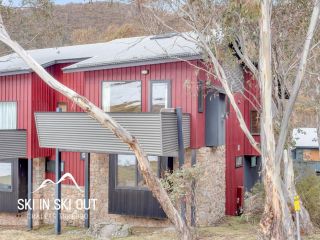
298,80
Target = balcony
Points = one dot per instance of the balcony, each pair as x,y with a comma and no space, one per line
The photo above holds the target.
13,144
156,132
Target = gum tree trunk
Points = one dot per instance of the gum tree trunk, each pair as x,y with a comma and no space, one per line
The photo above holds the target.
276,222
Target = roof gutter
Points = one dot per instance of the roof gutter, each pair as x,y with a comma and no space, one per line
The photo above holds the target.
45,65
104,66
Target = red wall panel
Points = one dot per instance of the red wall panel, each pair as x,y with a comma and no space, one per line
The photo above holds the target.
179,73
17,88
72,162
237,143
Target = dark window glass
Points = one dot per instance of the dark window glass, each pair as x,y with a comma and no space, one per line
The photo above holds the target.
51,166
200,97
121,96
63,106
154,166
255,122
126,174
160,96
5,176
239,162
228,106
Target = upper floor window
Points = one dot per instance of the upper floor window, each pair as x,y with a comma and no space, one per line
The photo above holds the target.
124,96
160,95
255,122
200,97
63,106
5,176
8,115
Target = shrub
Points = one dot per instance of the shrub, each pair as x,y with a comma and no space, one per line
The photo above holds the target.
254,204
308,187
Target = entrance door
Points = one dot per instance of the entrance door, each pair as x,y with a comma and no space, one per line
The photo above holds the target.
252,171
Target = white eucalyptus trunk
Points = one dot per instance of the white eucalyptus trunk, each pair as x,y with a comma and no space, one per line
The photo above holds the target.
276,222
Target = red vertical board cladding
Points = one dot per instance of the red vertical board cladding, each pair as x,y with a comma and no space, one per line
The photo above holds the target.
251,102
43,100
237,143
183,79
72,162
17,88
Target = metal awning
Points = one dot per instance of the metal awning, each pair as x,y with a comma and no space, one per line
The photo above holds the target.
13,144
69,131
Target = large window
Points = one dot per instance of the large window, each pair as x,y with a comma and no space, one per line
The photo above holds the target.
5,176
311,155
160,95
255,122
128,174
8,115
122,96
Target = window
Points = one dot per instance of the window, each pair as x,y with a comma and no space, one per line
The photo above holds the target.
200,97
255,122
160,95
51,166
8,115
228,107
239,162
253,161
63,106
311,155
154,166
5,176
122,96
128,174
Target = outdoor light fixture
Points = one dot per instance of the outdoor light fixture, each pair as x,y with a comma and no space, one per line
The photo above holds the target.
145,72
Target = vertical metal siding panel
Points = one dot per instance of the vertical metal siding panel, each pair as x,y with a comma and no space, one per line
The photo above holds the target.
29,117
234,176
184,89
145,79
173,83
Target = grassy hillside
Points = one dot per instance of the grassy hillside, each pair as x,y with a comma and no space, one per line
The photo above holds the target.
60,25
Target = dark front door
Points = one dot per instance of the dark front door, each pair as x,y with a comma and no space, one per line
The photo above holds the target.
13,183
252,171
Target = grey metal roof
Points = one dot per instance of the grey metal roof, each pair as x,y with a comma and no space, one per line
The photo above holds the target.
13,64
117,53
305,138
140,51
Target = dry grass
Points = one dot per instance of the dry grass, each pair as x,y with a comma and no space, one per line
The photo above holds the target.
43,233
230,229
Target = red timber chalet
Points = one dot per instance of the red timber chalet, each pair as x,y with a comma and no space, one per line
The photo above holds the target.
151,86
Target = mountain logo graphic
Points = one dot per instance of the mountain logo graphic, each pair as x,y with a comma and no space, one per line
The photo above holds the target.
66,176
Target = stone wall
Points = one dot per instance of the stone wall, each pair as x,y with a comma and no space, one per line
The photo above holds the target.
211,187
99,173
210,194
